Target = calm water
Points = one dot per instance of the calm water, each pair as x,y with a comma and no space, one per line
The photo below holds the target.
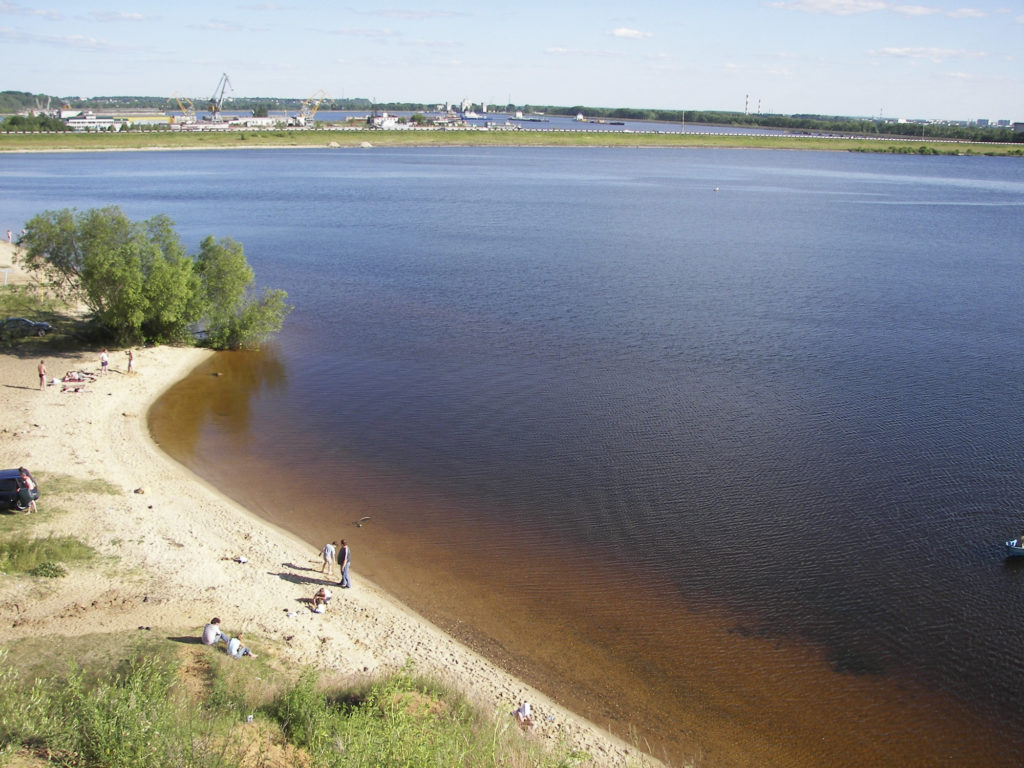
717,444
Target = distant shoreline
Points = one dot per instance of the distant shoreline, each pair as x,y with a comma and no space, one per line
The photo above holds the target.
367,139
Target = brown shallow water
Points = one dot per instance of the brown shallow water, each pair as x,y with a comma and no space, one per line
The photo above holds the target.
689,680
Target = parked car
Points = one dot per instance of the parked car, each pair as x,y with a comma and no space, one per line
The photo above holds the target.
15,327
11,488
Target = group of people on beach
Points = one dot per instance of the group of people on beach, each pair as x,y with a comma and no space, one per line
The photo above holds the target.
336,553
212,635
331,553
104,367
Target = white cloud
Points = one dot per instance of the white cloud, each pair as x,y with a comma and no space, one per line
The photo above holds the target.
935,55
413,15
114,16
558,51
834,7
61,41
629,34
914,10
967,13
215,25
438,44
373,34
19,10
853,7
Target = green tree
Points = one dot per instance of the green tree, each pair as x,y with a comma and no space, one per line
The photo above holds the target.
138,282
224,274
172,288
235,319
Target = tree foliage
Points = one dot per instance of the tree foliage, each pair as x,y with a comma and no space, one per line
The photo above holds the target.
140,285
33,123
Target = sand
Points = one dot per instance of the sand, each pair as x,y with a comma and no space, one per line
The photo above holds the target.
170,548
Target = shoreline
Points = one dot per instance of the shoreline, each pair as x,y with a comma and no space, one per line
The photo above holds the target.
168,555
364,139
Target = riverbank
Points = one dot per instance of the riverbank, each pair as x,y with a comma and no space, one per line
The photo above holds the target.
174,551
364,139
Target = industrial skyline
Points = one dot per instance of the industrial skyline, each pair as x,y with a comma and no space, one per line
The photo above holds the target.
936,60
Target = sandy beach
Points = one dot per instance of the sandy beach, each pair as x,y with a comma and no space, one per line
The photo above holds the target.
174,551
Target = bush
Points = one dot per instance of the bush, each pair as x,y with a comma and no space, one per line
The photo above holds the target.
21,554
49,570
138,715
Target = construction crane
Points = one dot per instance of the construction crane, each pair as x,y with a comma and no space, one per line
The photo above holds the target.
188,109
307,112
217,100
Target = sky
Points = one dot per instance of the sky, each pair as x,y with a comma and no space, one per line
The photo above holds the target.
868,58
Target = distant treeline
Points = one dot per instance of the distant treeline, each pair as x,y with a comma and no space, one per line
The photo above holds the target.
32,124
12,102
796,123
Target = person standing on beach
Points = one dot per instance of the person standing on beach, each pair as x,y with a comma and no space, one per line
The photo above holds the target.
344,557
131,360
104,361
329,552
42,375
28,484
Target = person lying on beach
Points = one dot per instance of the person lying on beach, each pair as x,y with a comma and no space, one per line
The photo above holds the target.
236,650
212,634
320,600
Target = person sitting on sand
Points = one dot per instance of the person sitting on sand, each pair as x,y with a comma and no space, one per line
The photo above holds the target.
523,715
320,600
236,650
212,634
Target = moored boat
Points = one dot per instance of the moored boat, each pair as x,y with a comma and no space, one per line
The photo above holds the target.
1014,548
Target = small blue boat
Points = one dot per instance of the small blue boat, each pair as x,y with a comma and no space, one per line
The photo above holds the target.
1014,548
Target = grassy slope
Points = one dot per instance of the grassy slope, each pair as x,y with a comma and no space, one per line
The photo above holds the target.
355,138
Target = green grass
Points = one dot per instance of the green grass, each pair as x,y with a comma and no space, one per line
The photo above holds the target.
40,556
34,303
21,552
57,484
142,701
355,138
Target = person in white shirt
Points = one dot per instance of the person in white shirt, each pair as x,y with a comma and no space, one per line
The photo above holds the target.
329,553
236,650
212,634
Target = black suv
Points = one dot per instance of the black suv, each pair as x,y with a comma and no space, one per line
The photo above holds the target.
11,488
14,327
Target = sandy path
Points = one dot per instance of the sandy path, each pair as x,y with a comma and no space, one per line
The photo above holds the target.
174,548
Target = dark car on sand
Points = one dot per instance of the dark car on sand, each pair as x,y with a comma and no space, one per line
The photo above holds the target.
11,488
15,327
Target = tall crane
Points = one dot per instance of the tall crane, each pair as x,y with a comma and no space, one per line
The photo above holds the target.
307,112
188,109
217,100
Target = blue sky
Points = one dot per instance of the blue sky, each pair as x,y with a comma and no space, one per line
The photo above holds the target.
936,59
